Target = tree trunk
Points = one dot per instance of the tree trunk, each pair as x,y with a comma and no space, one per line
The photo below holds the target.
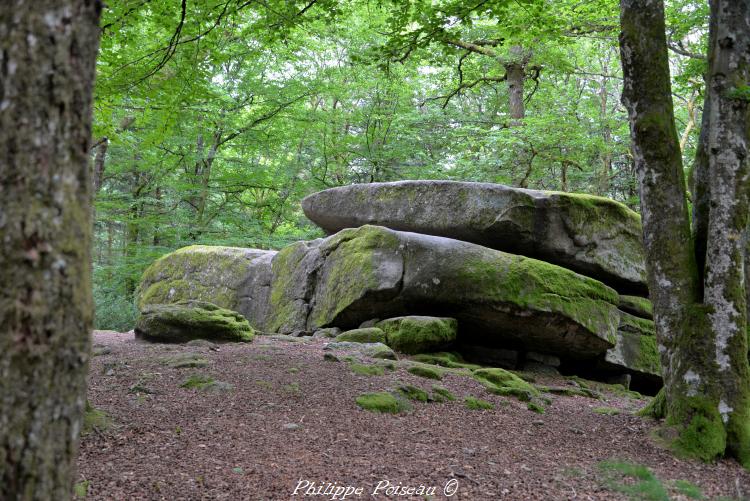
99,157
515,72
47,55
700,315
606,173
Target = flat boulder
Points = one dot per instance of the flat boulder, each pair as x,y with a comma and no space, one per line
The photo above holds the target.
414,334
188,320
229,277
591,235
499,299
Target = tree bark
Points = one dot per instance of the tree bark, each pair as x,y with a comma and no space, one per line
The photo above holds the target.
99,158
515,72
700,314
47,56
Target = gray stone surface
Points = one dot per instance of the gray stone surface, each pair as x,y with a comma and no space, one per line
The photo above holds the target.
591,235
500,299
230,277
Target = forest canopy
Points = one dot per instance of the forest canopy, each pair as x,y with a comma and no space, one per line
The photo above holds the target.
213,118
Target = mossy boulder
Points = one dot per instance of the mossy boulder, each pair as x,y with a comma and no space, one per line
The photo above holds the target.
382,402
366,335
188,320
594,236
230,277
498,298
505,383
419,334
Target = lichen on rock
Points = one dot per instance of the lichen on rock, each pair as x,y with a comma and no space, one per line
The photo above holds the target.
199,272
187,320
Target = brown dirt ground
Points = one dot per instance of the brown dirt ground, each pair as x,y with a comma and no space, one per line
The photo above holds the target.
177,443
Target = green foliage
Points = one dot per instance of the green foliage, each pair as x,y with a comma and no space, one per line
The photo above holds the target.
214,137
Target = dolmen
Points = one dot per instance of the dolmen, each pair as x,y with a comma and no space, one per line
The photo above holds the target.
504,276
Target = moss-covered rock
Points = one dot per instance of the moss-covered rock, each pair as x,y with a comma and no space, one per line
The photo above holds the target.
592,235
229,277
187,320
451,360
368,350
425,372
499,298
505,383
413,393
382,402
638,306
366,335
418,334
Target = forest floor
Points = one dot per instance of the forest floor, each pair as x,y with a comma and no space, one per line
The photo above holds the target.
275,415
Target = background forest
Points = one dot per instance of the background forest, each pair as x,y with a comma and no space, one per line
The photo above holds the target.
213,118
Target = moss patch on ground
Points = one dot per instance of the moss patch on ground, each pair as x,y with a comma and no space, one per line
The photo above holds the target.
606,411
186,360
204,382
474,403
425,372
367,370
634,480
382,402
440,394
95,420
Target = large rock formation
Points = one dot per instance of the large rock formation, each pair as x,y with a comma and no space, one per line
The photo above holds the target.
498,298
229,277
505,306
594,236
